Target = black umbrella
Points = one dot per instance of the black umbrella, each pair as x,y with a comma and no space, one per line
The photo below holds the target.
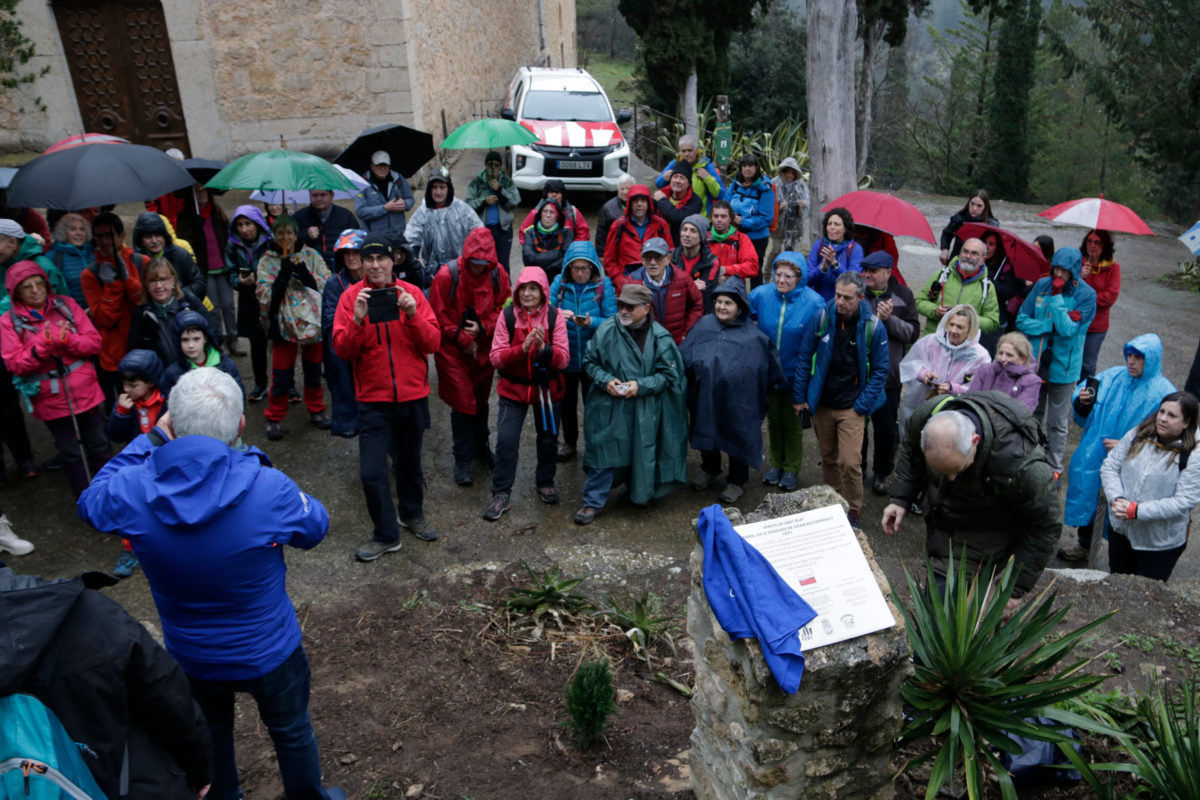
409,149
96,175
203,169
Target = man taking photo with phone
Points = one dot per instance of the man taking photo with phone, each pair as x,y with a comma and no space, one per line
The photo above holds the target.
387,349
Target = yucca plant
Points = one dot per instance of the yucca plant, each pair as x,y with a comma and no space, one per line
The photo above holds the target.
979,677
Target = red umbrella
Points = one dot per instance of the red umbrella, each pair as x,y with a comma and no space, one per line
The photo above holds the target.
872,239
84,138
1096,212
889,214
1027,259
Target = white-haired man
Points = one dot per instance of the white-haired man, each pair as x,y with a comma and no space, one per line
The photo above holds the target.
706,178
207,517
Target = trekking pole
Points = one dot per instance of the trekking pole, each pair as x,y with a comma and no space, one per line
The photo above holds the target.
62,371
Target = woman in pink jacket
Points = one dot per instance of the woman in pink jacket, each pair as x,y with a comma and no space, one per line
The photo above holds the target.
47,341
942,362
1014,371
529,351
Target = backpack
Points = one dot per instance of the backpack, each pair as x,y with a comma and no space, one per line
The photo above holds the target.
562,290
510,323
821,332
453,267
936,288
38,759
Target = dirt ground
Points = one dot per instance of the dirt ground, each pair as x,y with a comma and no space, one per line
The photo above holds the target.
420,680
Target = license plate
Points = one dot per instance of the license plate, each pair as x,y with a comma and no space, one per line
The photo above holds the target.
574,165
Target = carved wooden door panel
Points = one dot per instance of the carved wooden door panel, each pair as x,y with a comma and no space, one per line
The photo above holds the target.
121,65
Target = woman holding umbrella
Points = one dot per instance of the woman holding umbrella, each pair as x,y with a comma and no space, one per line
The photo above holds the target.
977,209
1102,273
48,341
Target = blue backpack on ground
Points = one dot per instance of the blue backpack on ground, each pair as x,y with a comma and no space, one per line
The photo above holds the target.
38,759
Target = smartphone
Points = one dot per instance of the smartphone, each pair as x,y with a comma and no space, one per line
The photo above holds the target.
806,419
381,305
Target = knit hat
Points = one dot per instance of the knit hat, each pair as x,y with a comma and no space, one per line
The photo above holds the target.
683,168
635,294
699,221
376,243
493,156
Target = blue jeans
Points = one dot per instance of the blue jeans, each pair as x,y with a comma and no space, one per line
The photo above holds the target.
597,483
282,698
1091,353
340,379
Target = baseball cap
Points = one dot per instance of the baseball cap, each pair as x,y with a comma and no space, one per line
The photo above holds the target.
376,243
11,229
656,245
380,157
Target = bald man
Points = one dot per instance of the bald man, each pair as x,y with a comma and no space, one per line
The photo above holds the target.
964,280
989,487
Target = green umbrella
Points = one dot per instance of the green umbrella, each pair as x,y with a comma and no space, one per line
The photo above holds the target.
488,134
274,170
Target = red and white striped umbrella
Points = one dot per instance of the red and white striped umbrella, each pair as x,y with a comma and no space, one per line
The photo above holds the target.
1096,212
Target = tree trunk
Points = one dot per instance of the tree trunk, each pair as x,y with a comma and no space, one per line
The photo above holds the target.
830,66
690,114
865,95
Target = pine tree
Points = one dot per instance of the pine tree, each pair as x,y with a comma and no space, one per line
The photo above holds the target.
1007,151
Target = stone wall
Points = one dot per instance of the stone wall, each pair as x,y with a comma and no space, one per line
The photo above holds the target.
315,72
832,739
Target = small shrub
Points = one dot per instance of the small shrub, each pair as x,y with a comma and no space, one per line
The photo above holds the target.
590,701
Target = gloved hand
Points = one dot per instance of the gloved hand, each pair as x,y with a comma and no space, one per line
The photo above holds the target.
1057,285
1074,315
107,273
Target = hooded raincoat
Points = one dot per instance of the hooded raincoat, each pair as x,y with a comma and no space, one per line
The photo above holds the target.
191,280
646,433
623,249
1018,381
213,357
545,248
439,234
1122,402
731,369
951,363
596,299
1045,317
30,250
782,317
481,296
522,372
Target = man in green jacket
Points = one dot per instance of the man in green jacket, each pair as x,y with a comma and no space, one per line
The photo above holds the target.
635,415
963,280
989,487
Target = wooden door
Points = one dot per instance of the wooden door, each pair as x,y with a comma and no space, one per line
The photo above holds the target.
120,62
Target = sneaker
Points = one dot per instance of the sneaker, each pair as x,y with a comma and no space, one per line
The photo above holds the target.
274,432
548,495
54,463
497,506
372,549
703,481
257,393
585,515
293,396
27,468
127,562
420,528
879,486
1075,555
10,542
732,493
788,481
855,518
320,419
771,477
462,473
565,451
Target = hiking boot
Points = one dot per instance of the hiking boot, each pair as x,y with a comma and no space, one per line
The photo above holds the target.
703,480
548,495
127,562
53,463
787,481
372,549
462,473
1074,555
855,518
274,432
10,542
879,486
771,477
565,452
497,506
293,396
732,493
420,528
257,393
320,419
26,468
586,515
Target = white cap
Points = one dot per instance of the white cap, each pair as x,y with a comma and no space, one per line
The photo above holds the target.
175,153
380,157
11,229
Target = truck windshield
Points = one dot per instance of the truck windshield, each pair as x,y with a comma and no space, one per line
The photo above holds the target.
559,105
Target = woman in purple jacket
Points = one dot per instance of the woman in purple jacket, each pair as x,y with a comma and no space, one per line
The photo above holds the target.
1013,371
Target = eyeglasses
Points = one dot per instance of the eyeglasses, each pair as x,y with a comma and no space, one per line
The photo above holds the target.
627,306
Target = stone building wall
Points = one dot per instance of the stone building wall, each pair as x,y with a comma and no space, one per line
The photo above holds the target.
332,69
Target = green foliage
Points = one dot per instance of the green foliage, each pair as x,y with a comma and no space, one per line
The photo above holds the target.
771,146
978,677
1007,152
16,51
600,28
590,701
767,68
1188,655
549,593
643,625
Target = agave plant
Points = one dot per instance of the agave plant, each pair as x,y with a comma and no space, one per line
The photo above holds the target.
549,592
979,676
642,624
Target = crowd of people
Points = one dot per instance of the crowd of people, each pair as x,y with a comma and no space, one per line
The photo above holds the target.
670,329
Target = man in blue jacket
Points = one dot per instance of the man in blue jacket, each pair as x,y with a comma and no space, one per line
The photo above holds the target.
844,385
207,521
1055,316
382,204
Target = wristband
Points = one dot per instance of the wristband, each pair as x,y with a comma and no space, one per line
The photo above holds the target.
1131,510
